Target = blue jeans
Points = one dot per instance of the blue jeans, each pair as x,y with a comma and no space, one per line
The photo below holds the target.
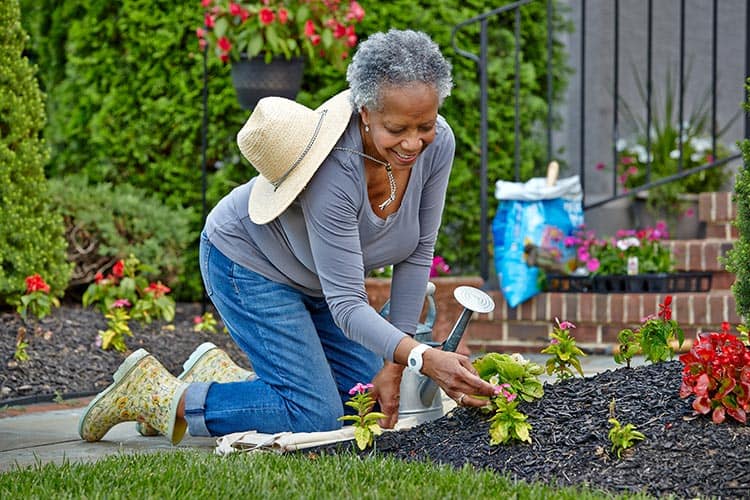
304,362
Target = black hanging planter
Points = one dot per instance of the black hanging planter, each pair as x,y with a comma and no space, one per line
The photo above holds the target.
253,79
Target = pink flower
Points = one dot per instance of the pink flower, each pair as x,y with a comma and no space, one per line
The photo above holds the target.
593,265
208,21
198,320
360,388
283,15
356,12
121,303
205,3
690,212
564,325
600,166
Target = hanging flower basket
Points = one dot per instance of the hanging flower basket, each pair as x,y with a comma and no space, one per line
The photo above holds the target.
254,79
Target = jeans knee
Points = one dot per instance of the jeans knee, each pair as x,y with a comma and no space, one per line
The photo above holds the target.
320,419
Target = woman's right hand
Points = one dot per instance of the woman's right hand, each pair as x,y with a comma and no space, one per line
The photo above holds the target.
453,372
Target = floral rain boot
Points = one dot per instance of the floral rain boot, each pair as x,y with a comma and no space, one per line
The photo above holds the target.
207,363
143,391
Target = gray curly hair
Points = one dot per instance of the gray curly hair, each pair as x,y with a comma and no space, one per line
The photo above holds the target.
396,58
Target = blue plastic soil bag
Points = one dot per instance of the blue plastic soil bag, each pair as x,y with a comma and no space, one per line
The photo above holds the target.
532,214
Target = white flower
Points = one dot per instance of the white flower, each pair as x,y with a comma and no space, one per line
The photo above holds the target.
626,243
621,144
518,358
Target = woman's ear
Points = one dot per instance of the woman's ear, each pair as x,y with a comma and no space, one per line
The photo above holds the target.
364,115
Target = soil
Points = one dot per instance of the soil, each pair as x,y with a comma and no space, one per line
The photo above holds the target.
683,455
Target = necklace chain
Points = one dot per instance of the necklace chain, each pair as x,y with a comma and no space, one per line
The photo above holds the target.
388,171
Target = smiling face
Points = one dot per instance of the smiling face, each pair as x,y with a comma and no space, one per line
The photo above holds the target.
404,126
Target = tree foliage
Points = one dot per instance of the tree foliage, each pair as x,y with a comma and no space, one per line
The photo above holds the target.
31,240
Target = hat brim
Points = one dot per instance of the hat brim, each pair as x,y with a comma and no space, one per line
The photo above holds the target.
268,202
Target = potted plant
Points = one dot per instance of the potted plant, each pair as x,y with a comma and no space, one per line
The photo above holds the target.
631,261
666,150
267,41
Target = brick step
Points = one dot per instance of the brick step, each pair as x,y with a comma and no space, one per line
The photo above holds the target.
716,207
699,255
598,318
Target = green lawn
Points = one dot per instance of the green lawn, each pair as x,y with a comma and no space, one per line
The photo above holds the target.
197,474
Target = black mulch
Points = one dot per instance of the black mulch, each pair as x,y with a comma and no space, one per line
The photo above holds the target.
65,360
682,455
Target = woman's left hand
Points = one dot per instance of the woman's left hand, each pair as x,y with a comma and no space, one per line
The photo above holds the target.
387,388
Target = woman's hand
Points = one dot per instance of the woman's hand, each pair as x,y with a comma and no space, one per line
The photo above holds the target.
387,388
453,372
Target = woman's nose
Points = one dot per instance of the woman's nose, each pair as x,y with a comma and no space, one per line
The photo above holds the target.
412,144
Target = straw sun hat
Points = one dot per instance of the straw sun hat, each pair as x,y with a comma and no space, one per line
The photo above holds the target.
286,142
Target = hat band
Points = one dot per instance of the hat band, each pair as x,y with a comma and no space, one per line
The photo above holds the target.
309,146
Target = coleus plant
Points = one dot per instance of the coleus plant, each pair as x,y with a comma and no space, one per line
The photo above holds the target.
563,352
653,339
515,379
717,371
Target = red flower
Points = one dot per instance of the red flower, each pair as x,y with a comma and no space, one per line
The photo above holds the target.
665,311
315,39
205,3
266,16
208,21
98,277
118,269
224,44
158,289
339,30
725,326
309,28
36,283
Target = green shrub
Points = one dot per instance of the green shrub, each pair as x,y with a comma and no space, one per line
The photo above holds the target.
738,259
31,240
127,106
105,223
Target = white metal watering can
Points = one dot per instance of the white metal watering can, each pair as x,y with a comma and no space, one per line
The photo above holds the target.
421,398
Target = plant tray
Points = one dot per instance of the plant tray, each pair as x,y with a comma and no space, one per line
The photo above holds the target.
640,283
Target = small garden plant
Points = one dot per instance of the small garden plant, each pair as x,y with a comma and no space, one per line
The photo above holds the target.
125,294
37,300
717,372
563,352
365,422
653,339
621,436
205,323
514,378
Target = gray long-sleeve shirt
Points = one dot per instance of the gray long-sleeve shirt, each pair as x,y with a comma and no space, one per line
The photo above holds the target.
326,242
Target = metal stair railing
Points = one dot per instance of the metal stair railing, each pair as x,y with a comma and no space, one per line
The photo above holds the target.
481,60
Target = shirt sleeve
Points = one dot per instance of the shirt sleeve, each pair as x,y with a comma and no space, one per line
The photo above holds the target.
410,276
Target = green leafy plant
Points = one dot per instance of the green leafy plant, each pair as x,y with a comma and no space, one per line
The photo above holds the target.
738,258
205,323
508,423
117,326
37,300
513,369
20,353
653,339
563,352
365,422
126,280
515,379
621,436
31,239
716,371
280,28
